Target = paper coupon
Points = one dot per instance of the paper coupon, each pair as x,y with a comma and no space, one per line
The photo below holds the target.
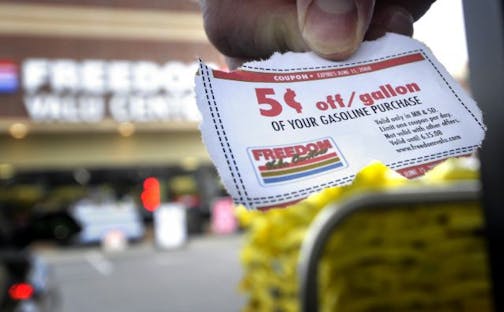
282,129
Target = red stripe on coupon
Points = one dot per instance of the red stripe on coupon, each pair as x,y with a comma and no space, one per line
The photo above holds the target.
250,76
301,163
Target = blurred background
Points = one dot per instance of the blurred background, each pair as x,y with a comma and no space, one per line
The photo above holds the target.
108,199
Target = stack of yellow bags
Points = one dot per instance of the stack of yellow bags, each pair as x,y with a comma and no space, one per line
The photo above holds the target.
425,258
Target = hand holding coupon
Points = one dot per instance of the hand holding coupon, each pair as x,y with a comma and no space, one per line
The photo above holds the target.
282,129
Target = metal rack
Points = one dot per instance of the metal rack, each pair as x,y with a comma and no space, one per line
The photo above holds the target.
332,216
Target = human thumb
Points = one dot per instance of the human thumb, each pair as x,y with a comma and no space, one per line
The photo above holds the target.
334,29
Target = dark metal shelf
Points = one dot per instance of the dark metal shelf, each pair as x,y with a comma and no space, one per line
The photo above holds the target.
331,217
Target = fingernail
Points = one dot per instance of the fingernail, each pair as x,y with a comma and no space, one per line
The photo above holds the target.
330,27
400,22
335,6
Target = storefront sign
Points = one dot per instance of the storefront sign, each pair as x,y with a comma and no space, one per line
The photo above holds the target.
65,90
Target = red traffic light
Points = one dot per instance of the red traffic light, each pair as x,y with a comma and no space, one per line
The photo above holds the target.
151,195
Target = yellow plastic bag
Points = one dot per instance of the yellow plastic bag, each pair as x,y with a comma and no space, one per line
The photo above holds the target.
425,258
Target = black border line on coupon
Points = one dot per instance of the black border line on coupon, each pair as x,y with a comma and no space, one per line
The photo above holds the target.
205,73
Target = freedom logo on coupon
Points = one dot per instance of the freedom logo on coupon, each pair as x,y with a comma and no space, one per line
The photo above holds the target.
289,163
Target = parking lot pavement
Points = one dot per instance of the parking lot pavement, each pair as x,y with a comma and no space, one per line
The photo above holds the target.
202,276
